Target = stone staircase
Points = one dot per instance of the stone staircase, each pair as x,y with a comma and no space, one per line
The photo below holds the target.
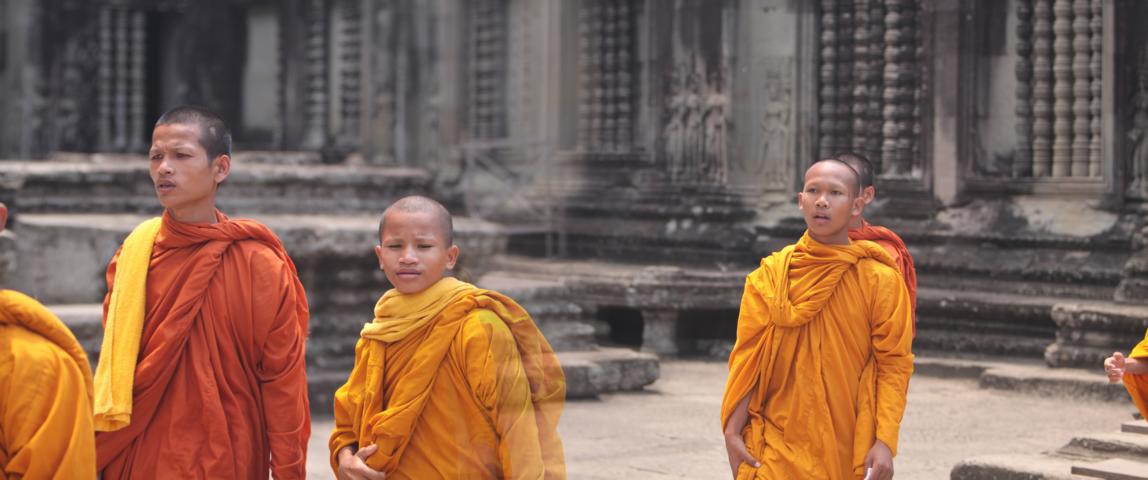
70,215
1117,455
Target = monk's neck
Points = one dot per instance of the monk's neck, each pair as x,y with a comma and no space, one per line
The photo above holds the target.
199,214
857,223
836,239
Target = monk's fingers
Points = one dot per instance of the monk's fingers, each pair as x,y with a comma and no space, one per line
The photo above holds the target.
366,452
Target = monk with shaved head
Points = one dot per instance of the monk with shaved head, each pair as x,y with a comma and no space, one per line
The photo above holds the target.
820,370
860,229
450,380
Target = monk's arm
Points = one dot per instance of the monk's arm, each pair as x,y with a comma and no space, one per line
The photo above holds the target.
282,369
892,339
48,429
739,417
347,407
495,371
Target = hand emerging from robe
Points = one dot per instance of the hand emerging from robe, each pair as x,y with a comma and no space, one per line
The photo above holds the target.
1114,367
880,461
353,466
738,453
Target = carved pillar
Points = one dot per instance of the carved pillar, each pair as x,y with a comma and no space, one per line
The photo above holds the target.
829,91
122,80
902,82
863,73
350,76
315,97
1022,162
487,76
609,87
1042,89
1096,44
1062,88
876,81
1081,87
660,331
845,78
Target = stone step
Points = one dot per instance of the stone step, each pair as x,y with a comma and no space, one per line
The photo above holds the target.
1131,446
1016,467
1113,469
124,186
1135,426
1089,332
1025,376
588,374
984,322
86,323
61,258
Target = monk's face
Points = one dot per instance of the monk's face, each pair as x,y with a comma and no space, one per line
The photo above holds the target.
413,252
829,201
185,179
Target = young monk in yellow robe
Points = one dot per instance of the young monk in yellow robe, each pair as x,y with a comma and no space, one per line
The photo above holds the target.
820,370
45,393
1133,370
450,380
859,229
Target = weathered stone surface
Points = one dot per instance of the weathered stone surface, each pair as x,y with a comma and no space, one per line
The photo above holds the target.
604,370
1067,382
1088,333
1113,469
1013,467
1135,426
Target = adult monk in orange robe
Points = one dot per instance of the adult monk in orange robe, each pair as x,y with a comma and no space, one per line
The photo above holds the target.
859,229
202,369
45,393
450,380
1133,370
820,370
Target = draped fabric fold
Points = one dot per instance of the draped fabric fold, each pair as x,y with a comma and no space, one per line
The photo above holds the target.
1137,385
896,248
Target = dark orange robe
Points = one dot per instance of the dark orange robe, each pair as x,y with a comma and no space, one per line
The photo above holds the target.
893,244
1137,385
45,395
220,389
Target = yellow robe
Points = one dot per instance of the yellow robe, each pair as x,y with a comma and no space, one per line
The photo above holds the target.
453,382
1137,385
825,343
45,395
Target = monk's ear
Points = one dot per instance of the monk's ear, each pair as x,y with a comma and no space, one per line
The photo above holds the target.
869,194
221,168
451,256
858,206
800,197
379,253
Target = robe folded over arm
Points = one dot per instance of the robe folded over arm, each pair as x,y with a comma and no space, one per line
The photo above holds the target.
45,395
453,382
220,388
824,348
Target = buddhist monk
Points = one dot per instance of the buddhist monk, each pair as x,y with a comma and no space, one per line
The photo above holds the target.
45,393
1133,370
450,380
819,373
202,369
860,229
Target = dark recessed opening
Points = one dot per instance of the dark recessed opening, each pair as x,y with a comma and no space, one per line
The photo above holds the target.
625,325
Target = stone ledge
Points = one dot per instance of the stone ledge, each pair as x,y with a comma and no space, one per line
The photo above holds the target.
1014,467
1113,469
1027,378
1132,446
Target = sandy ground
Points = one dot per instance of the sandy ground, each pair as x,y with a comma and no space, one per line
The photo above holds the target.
670,430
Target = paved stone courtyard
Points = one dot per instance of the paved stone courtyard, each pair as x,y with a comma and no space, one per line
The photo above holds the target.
670,430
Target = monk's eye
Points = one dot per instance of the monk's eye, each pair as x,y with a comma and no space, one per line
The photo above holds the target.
425,246
394,246
837,192
156,157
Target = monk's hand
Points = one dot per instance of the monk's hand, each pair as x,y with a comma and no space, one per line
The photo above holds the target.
738,453
353,466
880,462
1114,367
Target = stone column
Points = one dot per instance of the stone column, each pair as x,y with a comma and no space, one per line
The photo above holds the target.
1096,44
1022,161
1042,89
315,77
1062,88
660,331
902,87
830,91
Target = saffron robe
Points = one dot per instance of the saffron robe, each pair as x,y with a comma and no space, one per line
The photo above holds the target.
453,382
896,248
825,345
45,395
1137,385
220,388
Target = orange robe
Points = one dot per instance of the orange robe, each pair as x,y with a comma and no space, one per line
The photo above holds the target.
1137,385
45,395
824,343
471,390
893,244
220,389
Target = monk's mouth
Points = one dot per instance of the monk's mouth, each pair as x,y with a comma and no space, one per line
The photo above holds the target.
165,186
408,274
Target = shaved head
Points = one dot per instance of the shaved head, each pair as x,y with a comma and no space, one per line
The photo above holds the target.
854,177
421,204
860,164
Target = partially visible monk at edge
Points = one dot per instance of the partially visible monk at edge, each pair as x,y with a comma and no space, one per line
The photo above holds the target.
45,393
820,370
1133,370
202,373
450,380
860,229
